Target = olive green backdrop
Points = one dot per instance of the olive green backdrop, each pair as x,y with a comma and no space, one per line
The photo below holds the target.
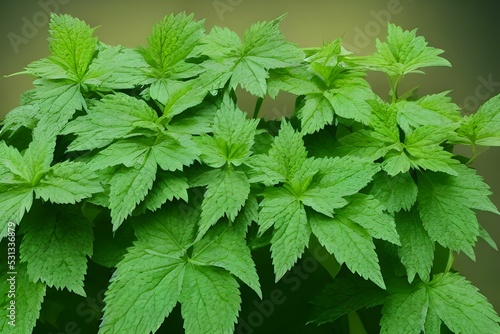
467,30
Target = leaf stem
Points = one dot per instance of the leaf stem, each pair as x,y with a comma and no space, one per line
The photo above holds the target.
258,105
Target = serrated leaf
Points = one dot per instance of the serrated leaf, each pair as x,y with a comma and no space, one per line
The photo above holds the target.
58,101
162,272
336,179
404,52
349,243
291,235
485,123
113,117
210,300
263,48
173,153
434,109
316,113
170,43
166,187
460,305
225,196
349,100
445,204
417,248
225,247
55,248
72,48
405,311
116,67
68,183
424,151
395,192
370,214
14,203
129,187
28,301
22,116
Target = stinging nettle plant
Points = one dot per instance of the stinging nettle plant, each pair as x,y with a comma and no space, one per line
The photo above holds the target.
137,167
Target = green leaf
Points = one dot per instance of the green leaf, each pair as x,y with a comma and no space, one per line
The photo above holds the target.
424,151
434,109
22,116
417,248
163,269
316,113
129,187
58,101
72,48
113,117
166,187
394,192
170,44
349,243
116,67
55,248
225,247
485,124
404,52
263,48
68,183
370,214
291,234
336,179
28,301
349,99
233,137
174,152
225,196
446,204
405,311
14,203
210,300
460,305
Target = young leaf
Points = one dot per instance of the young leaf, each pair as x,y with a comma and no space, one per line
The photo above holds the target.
445,203
404,52
55,248
166,187
72,48
248,62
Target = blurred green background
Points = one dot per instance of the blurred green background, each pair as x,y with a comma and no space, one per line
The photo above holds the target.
467,30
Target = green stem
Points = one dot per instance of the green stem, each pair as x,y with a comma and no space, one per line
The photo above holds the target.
394,83
451,259
258,105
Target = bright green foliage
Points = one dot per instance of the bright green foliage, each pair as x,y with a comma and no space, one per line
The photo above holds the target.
165,267
137,167
247,62
404,52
